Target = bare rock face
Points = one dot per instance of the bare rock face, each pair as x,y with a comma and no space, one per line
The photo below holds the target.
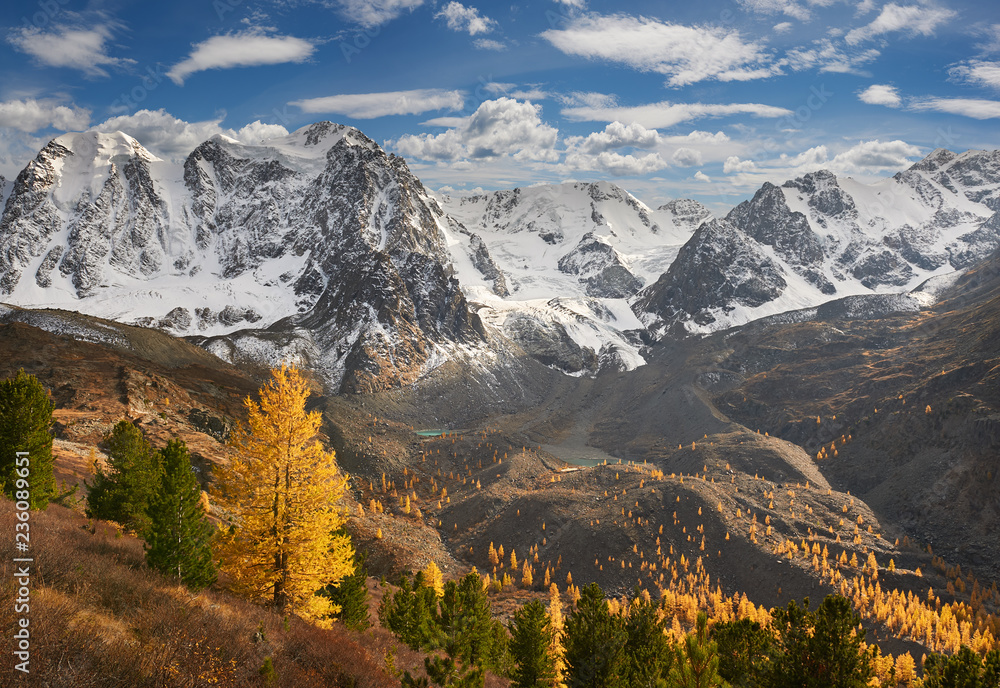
820,238
316,245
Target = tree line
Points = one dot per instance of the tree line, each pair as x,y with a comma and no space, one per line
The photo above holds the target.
596,647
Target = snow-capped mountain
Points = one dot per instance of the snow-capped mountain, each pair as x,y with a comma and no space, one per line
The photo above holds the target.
316,243
320,246
553,266
819,238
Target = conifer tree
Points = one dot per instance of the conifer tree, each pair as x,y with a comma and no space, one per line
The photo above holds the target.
648,653
351,593
123,493
25,426
178,542
820,649
744,648
530,643
281,493
556,649
697,664
594,641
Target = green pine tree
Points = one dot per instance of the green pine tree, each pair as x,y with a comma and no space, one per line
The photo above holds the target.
25,426
178,542
122,494
820,649
964,669
649,655
744,651
594,643
697,664
351,593
466,620
530,637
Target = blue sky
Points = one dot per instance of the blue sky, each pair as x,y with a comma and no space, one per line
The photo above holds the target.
669,99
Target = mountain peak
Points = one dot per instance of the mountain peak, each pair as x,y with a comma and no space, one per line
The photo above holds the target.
102,147
935,160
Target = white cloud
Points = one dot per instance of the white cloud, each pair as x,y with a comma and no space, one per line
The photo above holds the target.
666,114
588,99
489,44
372,105
734,164
376,12
687,157
30,115
71,47
871,156
462,18
245,49
789,7
579,4
702,177
864,7
783,27
684,54
617,164
699,137
977,73
827,56
17,148
912,19
976,108
516,92
615,135
497,128
881,94
992,43
168,137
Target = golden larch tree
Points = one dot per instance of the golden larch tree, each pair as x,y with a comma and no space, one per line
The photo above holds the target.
280,494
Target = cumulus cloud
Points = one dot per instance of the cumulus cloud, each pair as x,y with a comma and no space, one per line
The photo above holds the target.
684,54
875,155
30,115
734,164
462,18
976,108
699,137
376,12
616,164
497,128
245,49
977,73
169,137
69,46
881,94
782,27
686,157
914,20
702,177
615,135
372,105
666,114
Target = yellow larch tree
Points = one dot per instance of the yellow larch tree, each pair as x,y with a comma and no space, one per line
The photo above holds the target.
280,495
433,578
556,650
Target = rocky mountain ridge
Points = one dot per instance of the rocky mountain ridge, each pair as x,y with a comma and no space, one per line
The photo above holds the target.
321,247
